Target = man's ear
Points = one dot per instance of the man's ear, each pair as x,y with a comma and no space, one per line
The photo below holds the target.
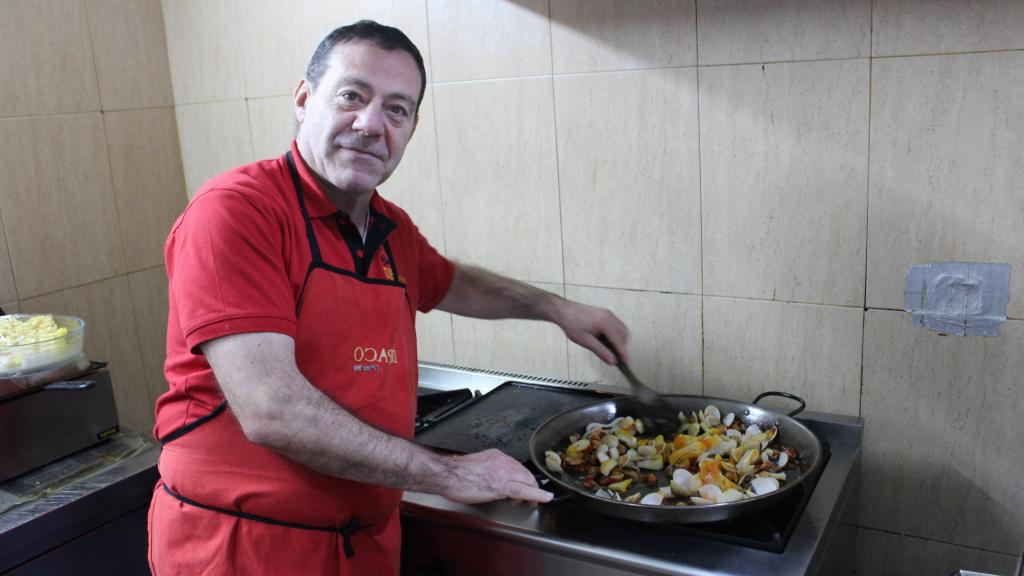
299,99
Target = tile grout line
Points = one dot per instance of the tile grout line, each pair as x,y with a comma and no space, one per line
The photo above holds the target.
90,283
936,540
252,138
722,65
700,199
10,261
100,110
106,142
437,159
176,104
558,168
867,211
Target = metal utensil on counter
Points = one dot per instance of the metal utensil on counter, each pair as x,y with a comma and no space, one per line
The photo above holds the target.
658,416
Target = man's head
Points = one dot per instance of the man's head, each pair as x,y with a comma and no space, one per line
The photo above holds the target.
358,105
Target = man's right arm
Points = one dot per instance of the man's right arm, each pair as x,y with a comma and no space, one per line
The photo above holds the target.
278,408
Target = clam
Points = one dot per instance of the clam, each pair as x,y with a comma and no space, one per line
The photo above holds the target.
647,450
683,483
626,438
729,419
723,446
632,499
653,499
659,442
639,425
710,415
775,457
734,434
666,492
610,440
748,463
608,465
763,485
603,457
581,445
653,463
602,493
731,495
710,493
553,461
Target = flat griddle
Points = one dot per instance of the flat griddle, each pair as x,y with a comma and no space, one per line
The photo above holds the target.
504,418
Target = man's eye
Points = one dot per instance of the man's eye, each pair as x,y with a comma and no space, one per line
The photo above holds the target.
399,111
350,96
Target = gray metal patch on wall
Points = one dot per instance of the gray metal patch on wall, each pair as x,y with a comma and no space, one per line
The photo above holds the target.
959,298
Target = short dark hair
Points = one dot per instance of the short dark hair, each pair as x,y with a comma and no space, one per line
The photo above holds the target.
384,37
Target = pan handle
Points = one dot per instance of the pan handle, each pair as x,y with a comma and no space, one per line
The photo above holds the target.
784,395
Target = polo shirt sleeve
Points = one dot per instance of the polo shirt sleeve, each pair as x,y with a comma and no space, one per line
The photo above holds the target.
226,270
435,272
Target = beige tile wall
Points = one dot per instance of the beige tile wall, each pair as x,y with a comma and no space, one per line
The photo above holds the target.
745,183
90,179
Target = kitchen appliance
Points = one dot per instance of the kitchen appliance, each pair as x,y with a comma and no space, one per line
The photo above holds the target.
808,531
54,414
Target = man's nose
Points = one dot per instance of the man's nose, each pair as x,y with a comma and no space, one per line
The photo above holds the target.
369,120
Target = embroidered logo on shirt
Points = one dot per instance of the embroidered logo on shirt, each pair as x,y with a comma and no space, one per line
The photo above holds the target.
369,359
388,272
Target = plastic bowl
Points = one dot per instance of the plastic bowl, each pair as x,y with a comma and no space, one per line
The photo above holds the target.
23,359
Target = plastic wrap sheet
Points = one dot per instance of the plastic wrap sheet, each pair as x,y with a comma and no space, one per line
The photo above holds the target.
62,478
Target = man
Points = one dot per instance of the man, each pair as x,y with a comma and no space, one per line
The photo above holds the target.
291,343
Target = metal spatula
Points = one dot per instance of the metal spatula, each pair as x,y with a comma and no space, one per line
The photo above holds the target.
659,417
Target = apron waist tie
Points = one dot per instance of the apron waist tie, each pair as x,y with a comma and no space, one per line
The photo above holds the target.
346,531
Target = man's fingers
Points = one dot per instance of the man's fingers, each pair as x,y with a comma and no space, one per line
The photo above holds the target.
603,347
520,491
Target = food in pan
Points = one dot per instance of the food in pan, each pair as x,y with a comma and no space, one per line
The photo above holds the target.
711,460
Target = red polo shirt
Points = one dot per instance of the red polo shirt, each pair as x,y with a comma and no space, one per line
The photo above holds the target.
237,259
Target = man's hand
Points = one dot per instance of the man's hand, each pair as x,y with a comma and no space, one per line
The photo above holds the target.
490,475
584,324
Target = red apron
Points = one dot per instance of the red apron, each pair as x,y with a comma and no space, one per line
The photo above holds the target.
227,506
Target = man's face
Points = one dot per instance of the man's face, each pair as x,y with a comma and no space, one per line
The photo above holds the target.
353,127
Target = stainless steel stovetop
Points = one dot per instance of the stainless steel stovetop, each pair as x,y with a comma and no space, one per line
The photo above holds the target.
442,537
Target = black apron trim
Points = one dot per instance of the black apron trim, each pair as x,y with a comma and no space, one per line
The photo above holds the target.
190,427
360,277
302,291
346,531
381,228
314,246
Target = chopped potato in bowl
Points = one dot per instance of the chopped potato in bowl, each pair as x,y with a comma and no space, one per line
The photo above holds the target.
35,342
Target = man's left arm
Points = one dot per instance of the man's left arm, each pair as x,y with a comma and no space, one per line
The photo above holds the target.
479,293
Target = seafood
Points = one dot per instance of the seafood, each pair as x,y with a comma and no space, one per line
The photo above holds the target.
712,459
